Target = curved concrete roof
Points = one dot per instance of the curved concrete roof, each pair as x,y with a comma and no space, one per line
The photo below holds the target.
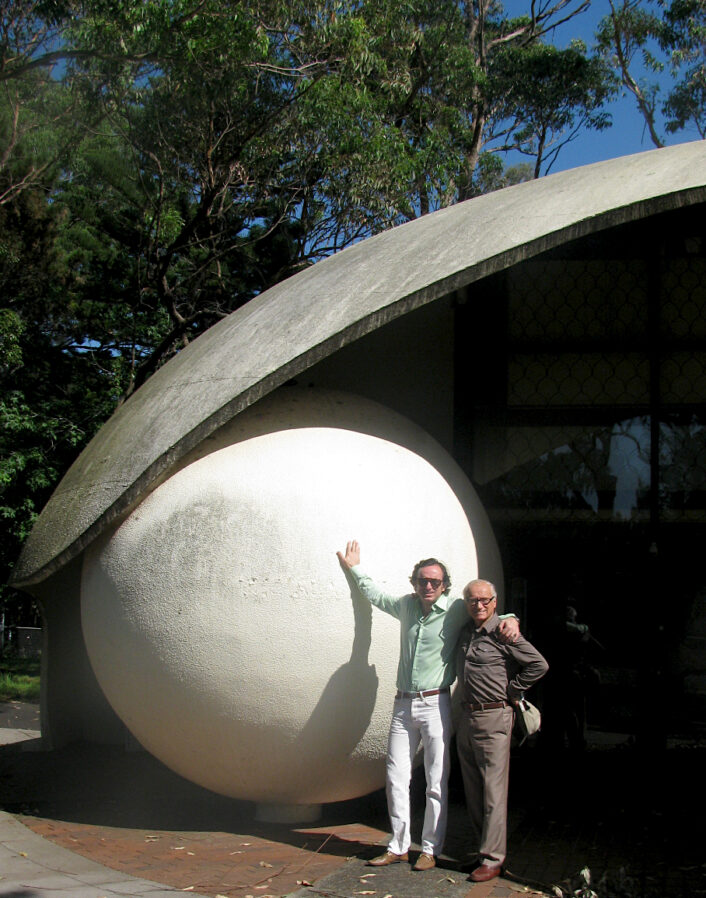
309,316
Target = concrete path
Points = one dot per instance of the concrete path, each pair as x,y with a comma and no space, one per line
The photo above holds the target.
33,867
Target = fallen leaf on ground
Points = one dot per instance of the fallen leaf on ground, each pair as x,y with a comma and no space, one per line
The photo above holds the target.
300,882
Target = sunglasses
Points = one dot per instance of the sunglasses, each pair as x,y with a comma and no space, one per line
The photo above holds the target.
422,581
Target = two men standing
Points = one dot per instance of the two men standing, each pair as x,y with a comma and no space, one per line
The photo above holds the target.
430,625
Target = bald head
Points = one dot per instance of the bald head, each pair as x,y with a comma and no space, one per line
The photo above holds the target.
481,600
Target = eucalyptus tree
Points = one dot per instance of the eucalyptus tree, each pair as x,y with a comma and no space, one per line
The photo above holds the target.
33,108
444,90
657,51
683,37
206,191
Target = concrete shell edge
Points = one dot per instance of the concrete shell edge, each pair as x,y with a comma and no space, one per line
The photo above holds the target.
309,316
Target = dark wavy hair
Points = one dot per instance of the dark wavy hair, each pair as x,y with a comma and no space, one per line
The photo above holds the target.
426,562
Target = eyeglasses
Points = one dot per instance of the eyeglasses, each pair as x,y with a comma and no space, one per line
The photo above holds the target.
483,602
422,581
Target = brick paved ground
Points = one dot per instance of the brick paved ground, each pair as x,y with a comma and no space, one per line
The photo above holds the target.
613,810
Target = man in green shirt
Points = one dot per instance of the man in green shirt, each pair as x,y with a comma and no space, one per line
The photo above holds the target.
430,624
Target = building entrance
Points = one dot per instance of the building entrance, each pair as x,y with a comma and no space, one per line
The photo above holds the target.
581,421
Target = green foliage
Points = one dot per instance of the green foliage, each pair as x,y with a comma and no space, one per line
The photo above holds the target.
52,394
19,679
552,92
10,332
38,116
643,39
683,37
438,85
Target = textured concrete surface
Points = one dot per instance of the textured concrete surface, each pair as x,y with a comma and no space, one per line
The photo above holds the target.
311,315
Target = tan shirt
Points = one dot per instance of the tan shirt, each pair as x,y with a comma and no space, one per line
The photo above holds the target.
490,671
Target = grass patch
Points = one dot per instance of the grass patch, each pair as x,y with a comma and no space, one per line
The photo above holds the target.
19,679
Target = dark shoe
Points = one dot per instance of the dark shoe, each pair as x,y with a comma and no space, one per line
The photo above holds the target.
485,872
425,862
388,858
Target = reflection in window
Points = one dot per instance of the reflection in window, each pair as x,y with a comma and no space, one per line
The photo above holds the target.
584,472
629,463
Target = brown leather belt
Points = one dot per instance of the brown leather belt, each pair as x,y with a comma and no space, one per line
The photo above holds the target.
482,706
423,694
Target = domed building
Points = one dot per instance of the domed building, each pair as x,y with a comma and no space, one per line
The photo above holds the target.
534,360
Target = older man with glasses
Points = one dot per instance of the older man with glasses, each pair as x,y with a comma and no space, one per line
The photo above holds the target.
430,624
493,678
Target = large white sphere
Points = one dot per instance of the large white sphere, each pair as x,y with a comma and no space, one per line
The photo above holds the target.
220,625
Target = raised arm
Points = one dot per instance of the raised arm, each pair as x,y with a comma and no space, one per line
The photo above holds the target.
350,561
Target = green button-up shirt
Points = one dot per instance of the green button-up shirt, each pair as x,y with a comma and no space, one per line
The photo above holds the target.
427,644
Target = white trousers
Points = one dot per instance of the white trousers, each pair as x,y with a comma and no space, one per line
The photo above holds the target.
413,720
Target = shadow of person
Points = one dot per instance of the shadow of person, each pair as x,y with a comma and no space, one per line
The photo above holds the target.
345,707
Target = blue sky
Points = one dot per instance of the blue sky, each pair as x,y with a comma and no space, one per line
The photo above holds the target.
627,134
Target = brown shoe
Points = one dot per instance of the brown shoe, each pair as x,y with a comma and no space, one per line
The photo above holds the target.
485,872
387,858
425,862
